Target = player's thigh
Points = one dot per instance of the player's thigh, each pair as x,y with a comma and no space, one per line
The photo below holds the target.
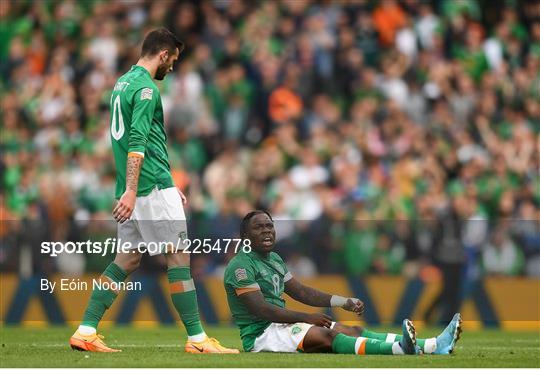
352,331
319,340
286,338
162,222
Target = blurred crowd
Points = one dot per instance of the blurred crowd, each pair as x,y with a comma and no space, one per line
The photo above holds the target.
383,136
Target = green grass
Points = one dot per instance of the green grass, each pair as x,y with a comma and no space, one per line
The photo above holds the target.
163,347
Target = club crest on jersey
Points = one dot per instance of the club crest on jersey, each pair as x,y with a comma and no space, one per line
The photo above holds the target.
146,93
240,274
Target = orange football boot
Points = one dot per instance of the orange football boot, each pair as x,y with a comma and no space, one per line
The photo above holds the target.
209,345
91,343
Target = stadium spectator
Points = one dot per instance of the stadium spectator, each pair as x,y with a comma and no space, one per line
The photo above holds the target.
354,116
501,256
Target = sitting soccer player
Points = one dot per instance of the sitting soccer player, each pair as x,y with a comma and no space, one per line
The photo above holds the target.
255,282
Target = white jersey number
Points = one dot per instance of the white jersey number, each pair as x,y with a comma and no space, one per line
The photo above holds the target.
117,132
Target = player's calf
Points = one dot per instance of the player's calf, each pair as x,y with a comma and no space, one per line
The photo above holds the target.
320,339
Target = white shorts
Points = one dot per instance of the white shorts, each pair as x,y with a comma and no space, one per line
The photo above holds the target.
157,220
281,338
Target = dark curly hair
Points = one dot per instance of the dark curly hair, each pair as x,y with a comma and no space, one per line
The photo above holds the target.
249,216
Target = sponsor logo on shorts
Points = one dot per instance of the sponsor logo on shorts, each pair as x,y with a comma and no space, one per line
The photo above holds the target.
240,274
296,330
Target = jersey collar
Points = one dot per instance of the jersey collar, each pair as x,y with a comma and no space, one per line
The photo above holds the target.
256,255
136,67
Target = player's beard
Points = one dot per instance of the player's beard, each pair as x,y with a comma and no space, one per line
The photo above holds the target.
161,71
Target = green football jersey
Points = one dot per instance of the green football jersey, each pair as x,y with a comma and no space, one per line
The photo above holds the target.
250,271
137,127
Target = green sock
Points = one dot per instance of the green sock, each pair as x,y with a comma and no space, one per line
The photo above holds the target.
389,337
102,299
362,346
373,335
378,347
344,344
184,298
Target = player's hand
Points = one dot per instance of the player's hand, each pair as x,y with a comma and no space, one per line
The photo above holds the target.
124,208
354,305
319,319
182,196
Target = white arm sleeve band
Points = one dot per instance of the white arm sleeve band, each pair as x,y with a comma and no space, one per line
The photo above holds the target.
337,301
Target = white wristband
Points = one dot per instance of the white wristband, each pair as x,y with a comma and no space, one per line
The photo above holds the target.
337,301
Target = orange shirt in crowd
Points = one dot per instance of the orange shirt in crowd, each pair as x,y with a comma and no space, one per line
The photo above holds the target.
284,105
388,18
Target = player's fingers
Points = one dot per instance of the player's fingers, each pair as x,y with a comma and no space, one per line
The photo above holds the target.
118,212
123,213
119,207
182,196
119,215
115,209
123,218
126,214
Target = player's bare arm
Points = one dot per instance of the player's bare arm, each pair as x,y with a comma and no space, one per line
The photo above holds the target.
307,295
124,208
313,297
257,306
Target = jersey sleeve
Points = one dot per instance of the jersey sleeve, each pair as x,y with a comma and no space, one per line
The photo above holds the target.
287,274
144,104
241,278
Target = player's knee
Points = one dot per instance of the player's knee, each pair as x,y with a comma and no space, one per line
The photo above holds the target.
358,329
177,259
129,264
329,336
133,265
353,331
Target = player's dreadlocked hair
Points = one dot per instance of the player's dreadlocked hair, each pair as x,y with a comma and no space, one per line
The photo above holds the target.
249,216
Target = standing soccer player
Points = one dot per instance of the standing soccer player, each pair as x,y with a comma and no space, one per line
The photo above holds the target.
150,207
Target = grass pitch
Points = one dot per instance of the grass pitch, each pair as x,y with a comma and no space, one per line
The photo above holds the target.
163,347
